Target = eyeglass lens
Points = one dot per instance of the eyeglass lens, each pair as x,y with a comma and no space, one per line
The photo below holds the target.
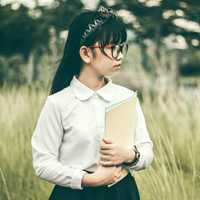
116,49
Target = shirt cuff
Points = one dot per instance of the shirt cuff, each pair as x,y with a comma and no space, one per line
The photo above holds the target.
77,179
138,164
146,158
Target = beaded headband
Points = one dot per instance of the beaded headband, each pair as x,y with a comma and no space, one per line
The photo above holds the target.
105,13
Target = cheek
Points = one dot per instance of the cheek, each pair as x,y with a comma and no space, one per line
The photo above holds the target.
105,66
108,52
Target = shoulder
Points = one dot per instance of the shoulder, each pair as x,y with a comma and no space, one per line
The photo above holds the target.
64,93
122,92
62,98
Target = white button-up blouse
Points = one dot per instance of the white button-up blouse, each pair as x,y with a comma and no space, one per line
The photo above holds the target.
66,139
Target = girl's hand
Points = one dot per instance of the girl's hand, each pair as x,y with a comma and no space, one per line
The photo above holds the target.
112,154
105,175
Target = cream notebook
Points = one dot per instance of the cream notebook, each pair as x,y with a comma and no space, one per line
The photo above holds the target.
120,123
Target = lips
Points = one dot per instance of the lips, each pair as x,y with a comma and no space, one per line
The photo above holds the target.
117,65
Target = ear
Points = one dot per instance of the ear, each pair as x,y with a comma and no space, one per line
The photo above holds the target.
85,54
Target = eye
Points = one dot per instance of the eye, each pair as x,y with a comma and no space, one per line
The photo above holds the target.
107,49
115,50
109,46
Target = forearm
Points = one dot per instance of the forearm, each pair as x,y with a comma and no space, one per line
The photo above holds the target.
48,168
59,174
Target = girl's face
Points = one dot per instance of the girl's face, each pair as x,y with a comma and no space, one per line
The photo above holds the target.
102,64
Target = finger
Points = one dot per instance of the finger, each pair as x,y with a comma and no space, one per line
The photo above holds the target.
106,163
107,146
107,140
106,152
105,158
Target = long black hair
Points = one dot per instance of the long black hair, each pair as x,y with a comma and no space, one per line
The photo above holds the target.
112,31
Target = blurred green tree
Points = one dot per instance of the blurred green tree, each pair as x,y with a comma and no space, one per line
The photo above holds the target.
153,22
26,31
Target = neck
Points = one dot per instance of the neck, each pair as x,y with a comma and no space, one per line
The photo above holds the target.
91,80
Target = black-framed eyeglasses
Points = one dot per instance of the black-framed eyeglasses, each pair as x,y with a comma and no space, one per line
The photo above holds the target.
116,49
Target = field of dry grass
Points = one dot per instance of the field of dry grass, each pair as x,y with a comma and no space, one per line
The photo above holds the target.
174,125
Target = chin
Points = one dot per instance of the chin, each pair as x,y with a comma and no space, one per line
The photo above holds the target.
109,74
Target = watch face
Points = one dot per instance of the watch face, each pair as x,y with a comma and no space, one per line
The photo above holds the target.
137,154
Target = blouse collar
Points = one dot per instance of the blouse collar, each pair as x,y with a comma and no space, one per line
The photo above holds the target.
83,92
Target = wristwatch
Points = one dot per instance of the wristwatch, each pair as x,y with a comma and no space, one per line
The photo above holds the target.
136,159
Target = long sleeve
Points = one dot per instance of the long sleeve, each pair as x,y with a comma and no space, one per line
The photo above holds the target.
46,140
142,141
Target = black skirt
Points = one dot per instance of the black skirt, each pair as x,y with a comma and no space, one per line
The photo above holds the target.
125,189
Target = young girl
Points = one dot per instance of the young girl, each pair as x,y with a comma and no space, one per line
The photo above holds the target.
68,145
